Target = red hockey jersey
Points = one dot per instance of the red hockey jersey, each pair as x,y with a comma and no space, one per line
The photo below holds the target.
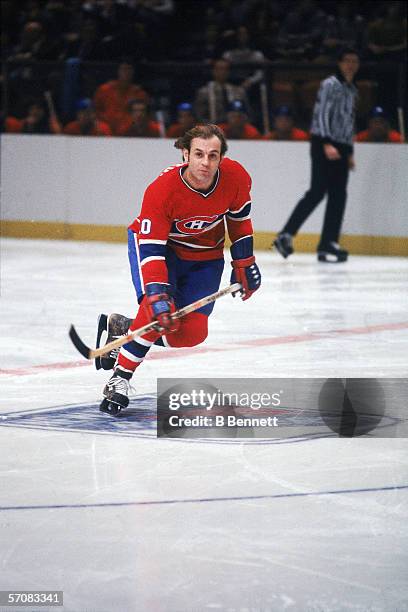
190,222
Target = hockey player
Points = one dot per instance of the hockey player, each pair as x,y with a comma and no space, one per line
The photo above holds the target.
176,250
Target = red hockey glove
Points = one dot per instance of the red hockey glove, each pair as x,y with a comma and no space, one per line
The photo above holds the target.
159,305
246,272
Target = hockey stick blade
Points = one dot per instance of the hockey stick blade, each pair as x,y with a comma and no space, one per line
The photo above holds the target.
78,343
89,353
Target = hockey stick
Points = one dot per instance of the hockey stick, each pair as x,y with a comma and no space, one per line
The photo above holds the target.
89,353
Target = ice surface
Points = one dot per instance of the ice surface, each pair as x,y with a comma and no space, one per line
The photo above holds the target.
121,521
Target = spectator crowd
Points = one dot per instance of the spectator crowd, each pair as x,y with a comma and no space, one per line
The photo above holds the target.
233,41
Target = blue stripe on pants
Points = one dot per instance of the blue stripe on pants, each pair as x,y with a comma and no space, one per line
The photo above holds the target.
190,280
135,265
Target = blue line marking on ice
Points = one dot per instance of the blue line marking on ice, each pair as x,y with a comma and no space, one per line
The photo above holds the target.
202,500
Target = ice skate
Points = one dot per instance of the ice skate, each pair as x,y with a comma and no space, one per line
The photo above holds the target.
332,253
116,394
283,244
110,328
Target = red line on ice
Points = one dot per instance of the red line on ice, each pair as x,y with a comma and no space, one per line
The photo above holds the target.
183,352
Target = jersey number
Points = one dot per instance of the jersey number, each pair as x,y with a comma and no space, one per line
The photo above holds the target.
145,226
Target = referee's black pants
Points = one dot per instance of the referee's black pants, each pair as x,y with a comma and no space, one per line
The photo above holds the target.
328,177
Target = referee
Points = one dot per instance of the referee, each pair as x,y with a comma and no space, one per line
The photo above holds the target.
332,158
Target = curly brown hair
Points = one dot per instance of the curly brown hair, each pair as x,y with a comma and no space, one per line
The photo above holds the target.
206,131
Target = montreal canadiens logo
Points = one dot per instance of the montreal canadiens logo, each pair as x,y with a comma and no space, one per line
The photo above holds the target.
195,225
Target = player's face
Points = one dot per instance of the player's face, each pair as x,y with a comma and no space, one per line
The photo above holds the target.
378,127
349,65
283,123
221,71
125,73
236,119
138,112
36,113
203,159
186,119
87,115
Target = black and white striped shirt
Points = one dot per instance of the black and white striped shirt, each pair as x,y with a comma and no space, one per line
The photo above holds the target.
333,113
